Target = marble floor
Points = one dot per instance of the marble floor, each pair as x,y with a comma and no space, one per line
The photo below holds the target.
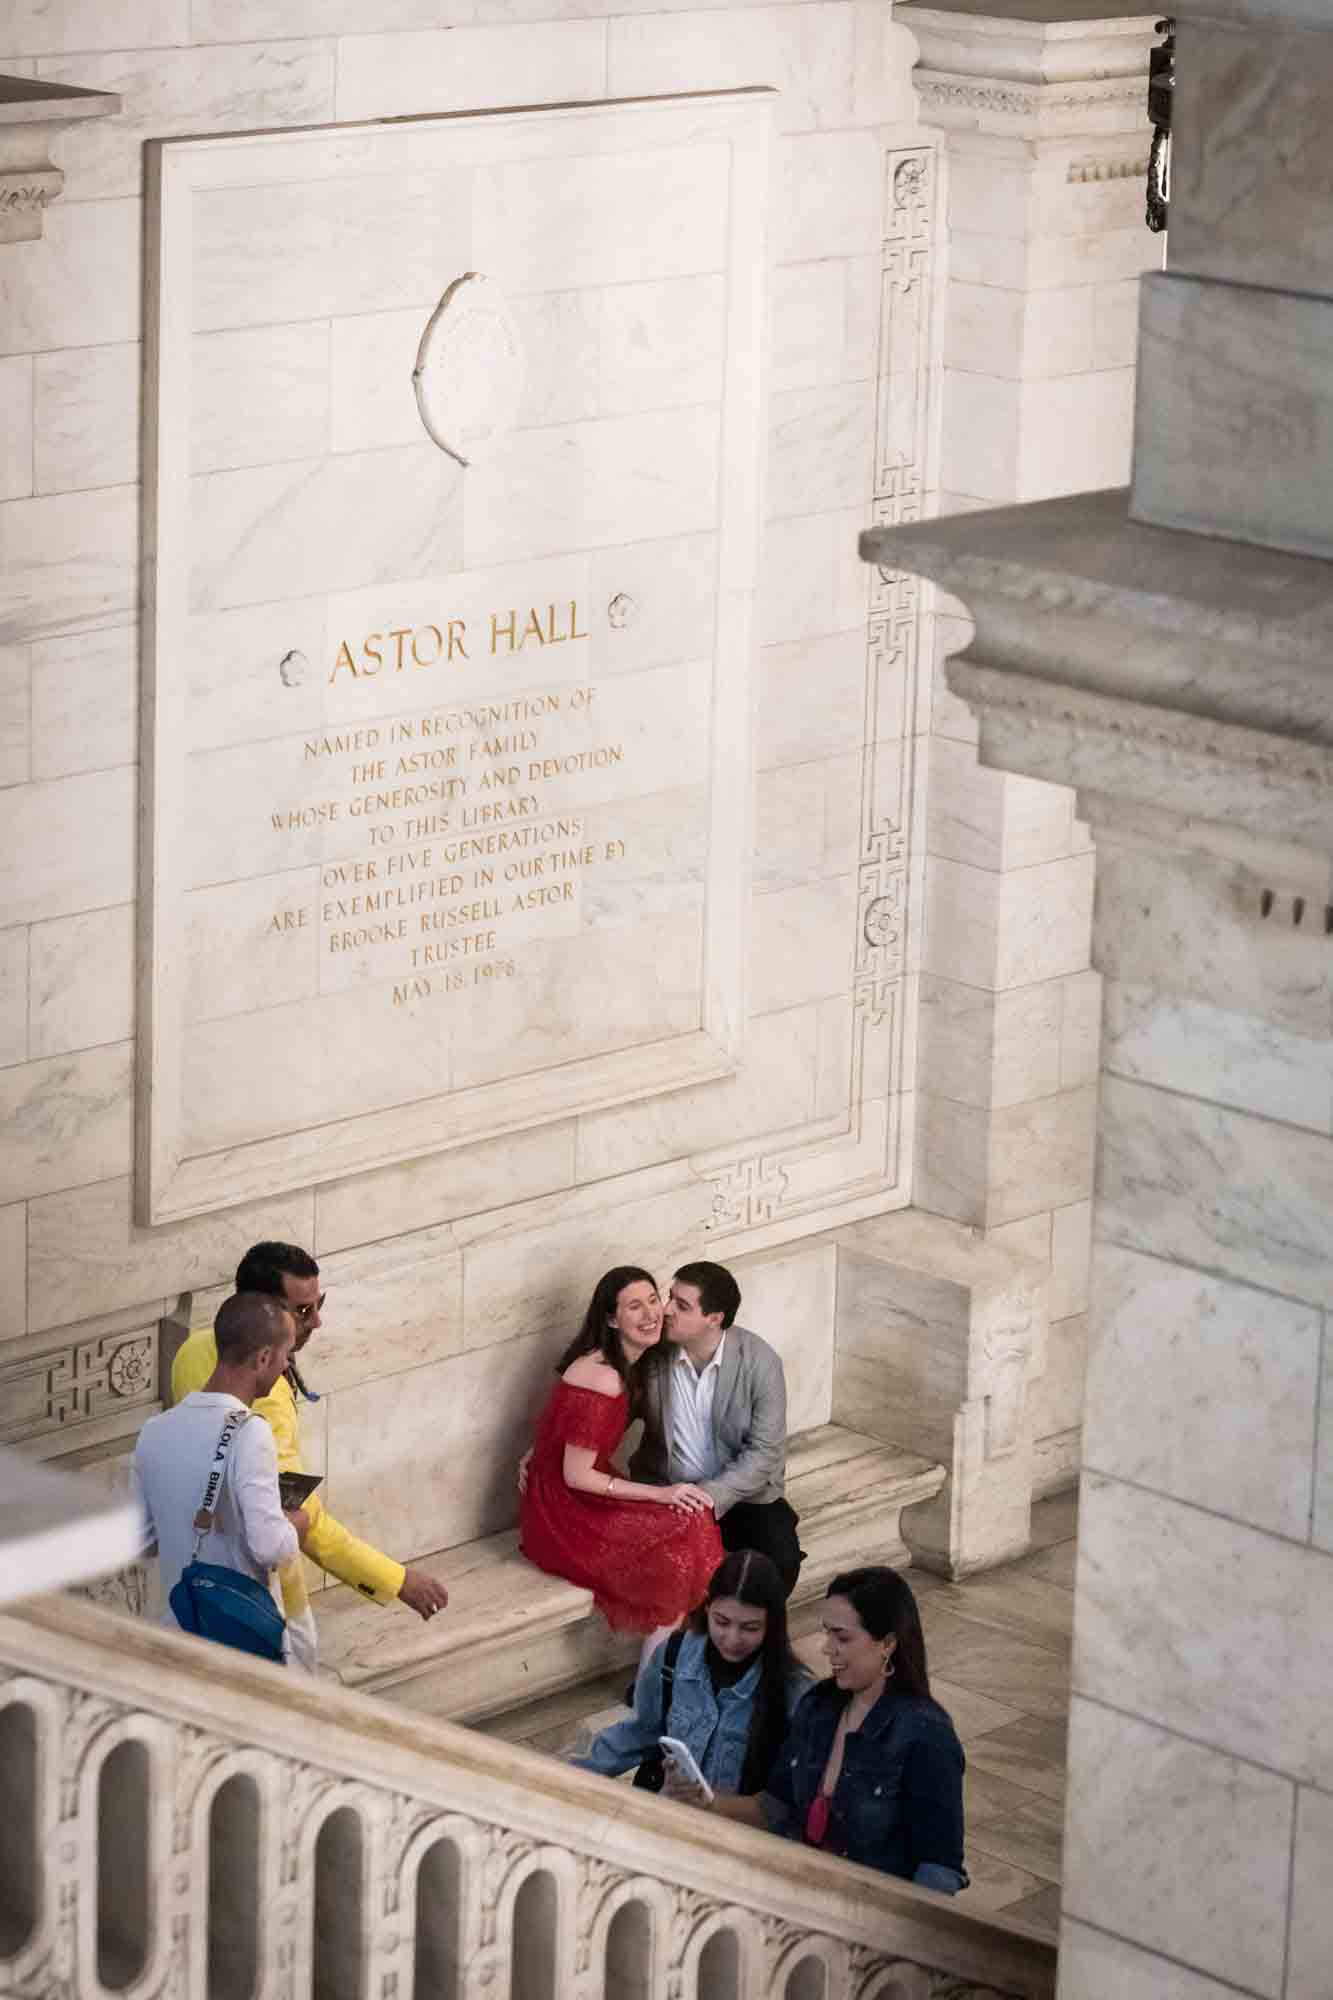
998,1650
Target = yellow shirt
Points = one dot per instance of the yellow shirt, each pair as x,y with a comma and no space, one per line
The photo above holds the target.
328,1543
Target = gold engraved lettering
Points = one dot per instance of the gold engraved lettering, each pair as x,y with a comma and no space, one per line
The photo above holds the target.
457,628
344,659
438,637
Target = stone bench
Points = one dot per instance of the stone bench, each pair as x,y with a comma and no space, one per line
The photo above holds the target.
512,1633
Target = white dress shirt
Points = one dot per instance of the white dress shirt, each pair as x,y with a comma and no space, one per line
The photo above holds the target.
172,1461
694,1453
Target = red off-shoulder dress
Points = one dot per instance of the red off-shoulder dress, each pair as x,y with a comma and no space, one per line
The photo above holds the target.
646,1565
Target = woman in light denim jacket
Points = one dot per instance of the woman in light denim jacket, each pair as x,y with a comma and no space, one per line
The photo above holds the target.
734,1686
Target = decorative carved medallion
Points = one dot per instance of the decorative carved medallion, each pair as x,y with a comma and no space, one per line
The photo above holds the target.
470,368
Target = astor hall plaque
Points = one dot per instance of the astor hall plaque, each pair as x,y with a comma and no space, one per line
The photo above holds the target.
446,764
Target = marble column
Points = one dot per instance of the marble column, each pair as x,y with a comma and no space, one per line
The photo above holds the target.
1165,650
1045,145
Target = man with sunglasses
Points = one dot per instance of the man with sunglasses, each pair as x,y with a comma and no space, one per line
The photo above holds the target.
283,1271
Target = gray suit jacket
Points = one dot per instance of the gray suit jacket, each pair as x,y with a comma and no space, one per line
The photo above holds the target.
749,1422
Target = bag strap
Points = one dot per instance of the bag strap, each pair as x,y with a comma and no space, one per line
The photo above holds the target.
669,1658
205,1517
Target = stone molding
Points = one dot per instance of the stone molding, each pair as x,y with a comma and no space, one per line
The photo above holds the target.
32,112
1141,664
864,1155
181,1168
1056,78
408,1790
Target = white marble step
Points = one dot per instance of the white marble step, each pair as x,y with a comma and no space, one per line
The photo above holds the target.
512,1633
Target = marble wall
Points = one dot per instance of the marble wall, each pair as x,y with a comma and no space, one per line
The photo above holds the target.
1046,149
453,1273
1205,1587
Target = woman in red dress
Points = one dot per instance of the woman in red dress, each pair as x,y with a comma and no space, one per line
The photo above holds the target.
645,1552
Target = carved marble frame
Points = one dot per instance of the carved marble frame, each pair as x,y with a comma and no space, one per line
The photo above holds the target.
169,1184
859,1163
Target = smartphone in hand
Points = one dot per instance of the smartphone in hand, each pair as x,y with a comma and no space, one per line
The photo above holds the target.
681,1755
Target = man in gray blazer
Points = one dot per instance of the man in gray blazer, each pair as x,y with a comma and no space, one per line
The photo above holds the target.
715,1414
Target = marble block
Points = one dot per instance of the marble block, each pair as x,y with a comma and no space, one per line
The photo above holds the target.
473,860
996,1165
87,1255
47,868
67,1119
991,818
1208,1627
1234,418
1092,1962
460,1424
14,716
1246,1197
463,68
466,1181
16,418
1178,1848
13,995
13,1270
936,1329
789,1299
1230,1423
1310,1952
68,563
1006,930
1259,989
1249,189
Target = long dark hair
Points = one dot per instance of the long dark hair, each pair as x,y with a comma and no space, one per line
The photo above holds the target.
884,1603
751,1578
597,1335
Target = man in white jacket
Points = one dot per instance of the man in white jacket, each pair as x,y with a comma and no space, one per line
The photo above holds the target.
172,1459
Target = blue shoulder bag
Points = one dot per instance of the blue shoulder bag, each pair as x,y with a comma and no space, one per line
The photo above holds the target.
215,1602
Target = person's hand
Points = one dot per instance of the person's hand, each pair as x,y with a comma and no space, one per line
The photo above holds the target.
422,1594
675,1785
300,1520
523,1465
692,1499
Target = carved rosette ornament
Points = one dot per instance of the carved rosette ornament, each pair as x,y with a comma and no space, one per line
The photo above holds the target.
471,368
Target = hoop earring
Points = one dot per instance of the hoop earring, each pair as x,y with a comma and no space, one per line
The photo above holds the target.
889,1668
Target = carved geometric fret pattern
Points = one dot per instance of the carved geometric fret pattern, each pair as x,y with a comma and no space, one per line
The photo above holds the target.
762,1187
41,1393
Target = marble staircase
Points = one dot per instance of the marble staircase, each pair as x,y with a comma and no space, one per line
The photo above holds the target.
512,1634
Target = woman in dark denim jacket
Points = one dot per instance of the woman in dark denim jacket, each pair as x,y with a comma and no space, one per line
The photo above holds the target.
872,1768
734,1685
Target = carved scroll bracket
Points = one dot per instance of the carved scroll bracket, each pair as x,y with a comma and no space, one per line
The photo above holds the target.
32,111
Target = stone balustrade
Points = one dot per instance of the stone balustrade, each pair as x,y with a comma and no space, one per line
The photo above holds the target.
176,1820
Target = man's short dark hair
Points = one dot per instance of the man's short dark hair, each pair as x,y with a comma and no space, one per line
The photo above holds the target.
248,1322
717,1289
264,1266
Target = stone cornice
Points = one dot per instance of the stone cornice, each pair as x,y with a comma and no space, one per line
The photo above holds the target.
1139,663
1035,69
